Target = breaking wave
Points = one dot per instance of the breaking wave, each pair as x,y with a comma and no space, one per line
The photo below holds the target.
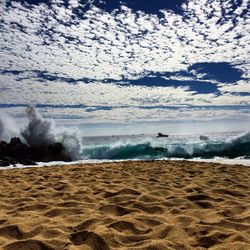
231,148
39,131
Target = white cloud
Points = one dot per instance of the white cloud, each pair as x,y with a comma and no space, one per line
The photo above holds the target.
120,45
240,86
107,43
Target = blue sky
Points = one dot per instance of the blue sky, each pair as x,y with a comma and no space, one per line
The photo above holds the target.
127,66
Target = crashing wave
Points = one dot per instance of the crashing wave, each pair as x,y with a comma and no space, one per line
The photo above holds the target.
231,148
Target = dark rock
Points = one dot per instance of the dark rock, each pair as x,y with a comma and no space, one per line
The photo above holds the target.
161,135
4,163
18,152
27,162
3,149
17,149
15,141
11,160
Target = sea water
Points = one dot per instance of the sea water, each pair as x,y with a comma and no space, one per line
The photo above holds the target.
219,147
213,146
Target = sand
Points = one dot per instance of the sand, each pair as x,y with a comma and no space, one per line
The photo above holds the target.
126,205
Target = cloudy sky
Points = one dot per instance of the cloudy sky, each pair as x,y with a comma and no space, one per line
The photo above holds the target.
113,66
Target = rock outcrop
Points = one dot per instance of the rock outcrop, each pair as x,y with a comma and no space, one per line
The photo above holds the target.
18,152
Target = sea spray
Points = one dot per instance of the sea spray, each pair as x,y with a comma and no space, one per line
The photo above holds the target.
72,144
42,131
38,130
8,128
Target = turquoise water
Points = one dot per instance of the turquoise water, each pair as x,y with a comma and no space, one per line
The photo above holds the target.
230,145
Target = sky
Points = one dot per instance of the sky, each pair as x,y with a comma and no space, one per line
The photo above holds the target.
111,67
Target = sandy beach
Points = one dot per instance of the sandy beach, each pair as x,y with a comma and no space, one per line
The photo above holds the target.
126,205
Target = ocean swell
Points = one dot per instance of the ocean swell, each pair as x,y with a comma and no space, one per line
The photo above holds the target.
231,148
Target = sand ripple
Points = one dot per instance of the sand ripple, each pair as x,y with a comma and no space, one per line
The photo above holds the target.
126,205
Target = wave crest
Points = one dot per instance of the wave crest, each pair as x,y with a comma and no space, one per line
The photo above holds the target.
231,148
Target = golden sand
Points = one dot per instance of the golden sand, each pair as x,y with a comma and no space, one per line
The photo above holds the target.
126,205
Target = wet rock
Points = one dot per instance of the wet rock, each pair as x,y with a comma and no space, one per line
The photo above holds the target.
18,152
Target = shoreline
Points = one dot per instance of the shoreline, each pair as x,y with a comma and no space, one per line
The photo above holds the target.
223,161
126,205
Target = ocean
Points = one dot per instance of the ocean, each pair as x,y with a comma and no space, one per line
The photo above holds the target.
226,147
231,147
220,147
